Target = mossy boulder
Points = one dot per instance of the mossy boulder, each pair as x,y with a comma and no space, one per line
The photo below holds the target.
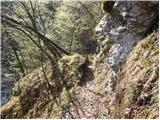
70,67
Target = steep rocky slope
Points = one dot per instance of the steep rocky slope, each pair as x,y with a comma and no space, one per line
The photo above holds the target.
120,82
119,32
37,96
137,85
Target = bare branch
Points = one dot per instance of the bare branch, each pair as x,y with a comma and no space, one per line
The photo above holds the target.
35,31
92,16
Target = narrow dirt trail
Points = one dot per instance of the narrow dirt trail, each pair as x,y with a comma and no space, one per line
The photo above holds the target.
87,102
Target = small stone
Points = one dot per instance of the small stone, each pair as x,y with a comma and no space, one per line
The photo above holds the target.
143,99
128,112
146,53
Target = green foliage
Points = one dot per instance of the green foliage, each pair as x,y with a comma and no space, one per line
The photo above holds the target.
74,27
69,24
146,63
29,54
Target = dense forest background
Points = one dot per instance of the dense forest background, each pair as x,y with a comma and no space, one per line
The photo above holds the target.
38,31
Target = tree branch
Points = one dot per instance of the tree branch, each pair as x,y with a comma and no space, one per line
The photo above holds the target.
92,16
35,31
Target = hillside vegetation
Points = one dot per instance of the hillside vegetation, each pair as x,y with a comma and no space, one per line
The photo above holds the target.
80,59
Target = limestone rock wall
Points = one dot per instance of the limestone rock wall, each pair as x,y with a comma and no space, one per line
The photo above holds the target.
118,32
137,85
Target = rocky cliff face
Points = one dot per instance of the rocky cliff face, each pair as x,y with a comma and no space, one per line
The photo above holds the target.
120,82
119,31
137,84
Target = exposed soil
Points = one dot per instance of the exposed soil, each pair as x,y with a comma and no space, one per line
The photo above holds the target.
86,103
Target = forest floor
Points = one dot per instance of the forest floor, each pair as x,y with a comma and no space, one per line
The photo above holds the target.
86,103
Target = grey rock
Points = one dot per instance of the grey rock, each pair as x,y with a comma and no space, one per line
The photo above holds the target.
128,24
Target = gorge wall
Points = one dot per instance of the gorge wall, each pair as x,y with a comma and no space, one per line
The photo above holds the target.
118,32
121,81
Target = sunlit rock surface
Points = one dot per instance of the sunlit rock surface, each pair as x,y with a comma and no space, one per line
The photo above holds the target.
127,24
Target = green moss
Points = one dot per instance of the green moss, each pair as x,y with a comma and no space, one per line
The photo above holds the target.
145,63
70,67
155,49
102,38
53,110
65,97
127,99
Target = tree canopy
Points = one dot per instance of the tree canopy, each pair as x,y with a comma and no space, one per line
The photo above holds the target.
48,30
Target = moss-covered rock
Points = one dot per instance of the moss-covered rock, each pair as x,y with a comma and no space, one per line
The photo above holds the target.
33,98
70,67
